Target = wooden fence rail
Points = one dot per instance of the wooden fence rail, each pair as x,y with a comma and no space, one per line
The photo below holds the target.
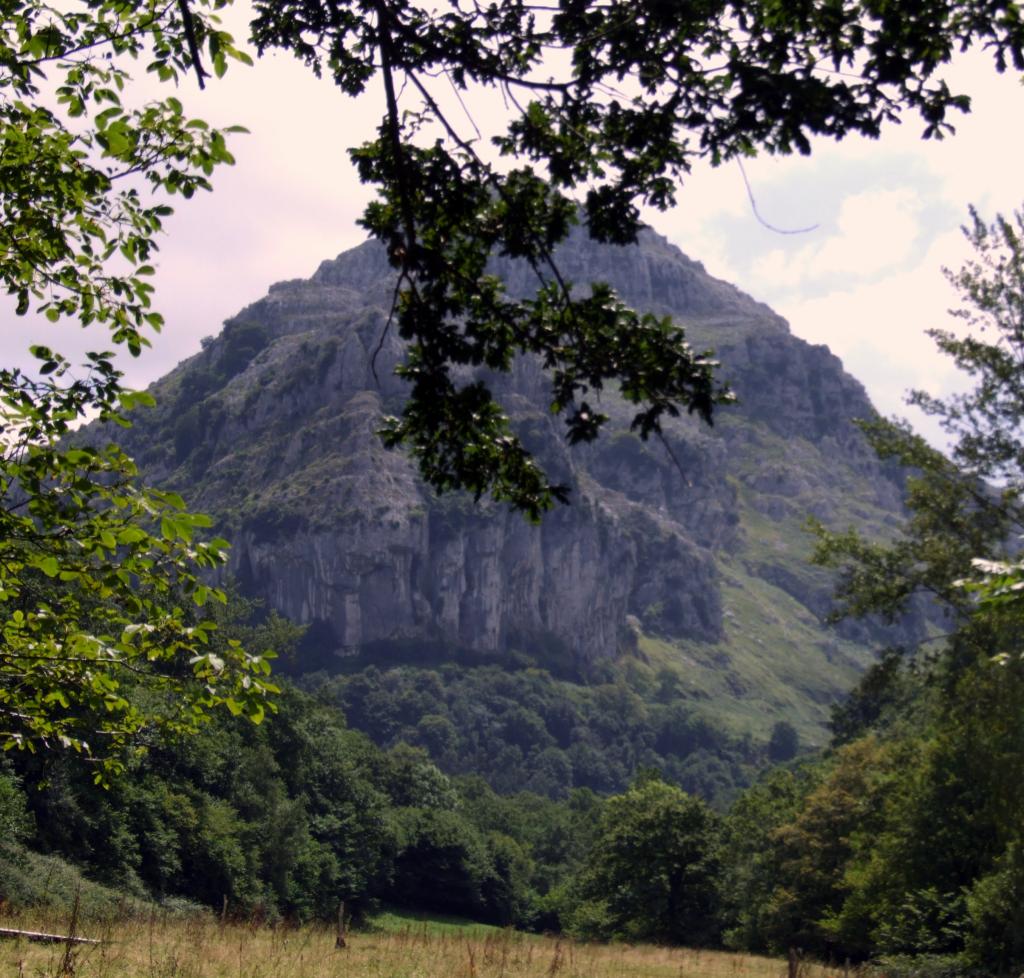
32,935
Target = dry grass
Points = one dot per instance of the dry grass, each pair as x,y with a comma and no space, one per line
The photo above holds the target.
201,947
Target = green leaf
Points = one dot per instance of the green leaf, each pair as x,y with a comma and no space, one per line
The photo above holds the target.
49,566
132,399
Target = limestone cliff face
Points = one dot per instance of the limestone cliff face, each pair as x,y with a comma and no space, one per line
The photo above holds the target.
272,430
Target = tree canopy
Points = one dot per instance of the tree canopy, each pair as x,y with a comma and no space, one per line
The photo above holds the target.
97,576
939,729
101,577
988,421
960,543
609,103
650,875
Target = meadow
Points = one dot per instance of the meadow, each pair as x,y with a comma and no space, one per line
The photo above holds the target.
394,946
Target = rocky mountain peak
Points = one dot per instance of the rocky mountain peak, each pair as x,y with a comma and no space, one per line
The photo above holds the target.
695,549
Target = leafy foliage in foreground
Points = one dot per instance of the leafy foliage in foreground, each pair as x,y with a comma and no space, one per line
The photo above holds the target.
611,101
77,235
100,576
97,574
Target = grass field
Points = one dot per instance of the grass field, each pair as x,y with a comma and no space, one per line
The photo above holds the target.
397,946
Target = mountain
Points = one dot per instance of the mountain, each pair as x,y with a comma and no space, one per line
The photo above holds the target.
684,560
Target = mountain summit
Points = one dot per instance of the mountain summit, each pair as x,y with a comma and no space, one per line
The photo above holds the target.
689,555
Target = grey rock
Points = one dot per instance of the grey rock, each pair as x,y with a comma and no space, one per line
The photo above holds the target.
272,430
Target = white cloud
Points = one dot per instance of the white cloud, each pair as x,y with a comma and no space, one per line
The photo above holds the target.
878,329
875,232
868,282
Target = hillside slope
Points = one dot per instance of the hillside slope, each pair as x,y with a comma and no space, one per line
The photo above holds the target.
690,563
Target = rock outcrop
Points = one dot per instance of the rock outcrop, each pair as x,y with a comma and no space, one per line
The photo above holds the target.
272,429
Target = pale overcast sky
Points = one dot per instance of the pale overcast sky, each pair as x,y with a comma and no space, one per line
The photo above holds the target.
866,282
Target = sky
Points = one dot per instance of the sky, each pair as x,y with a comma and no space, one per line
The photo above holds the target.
866,281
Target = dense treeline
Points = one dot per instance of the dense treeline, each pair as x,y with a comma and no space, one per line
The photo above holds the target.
289,817
906,841
526,730
903,841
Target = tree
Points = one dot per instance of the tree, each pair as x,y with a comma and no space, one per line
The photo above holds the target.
752,859
958,543
937,872
96,576
98,572
784,743
651,873
813,850
613,101
441,861
15,821
78,233
988,421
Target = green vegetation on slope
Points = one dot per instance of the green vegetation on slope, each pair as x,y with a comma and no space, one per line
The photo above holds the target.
525,730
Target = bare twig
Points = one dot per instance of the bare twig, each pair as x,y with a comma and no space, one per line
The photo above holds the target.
757,213
660,435
193,45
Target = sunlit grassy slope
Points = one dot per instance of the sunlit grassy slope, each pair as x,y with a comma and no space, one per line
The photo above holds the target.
777,658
